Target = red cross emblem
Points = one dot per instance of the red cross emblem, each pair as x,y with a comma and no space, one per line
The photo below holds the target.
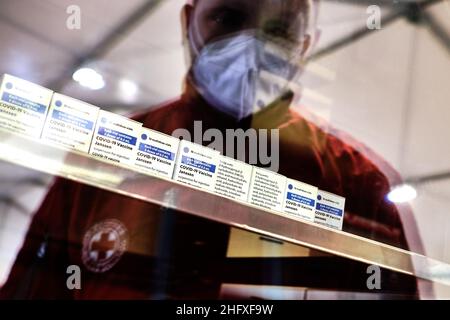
103,245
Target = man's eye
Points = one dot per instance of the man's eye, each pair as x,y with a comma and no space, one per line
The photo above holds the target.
229,18
277,29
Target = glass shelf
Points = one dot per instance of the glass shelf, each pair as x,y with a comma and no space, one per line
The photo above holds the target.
82,168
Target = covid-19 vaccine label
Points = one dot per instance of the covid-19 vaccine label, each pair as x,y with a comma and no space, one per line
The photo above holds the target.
329,210
156,153
267,189
23,106
233,179
300,199
115,138
70,123
196,165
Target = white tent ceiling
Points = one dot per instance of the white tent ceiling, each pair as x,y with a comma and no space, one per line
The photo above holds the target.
388,88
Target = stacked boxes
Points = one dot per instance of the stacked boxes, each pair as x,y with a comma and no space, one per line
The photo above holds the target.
34,111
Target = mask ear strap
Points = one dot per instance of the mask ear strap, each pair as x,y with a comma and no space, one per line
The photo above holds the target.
193,38
315,30
316,37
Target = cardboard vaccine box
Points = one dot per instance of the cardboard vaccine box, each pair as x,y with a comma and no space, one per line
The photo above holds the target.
233,179
330,210
115,138
23,106
196,165
70,123
156,153
267,189
300,199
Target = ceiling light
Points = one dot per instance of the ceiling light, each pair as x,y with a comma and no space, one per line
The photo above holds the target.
402,193
89,78
128,89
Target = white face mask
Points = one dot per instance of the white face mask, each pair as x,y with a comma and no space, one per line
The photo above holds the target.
241,75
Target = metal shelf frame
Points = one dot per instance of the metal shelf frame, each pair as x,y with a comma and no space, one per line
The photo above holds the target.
79,167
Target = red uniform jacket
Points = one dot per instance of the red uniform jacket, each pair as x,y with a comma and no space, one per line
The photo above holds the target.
127,248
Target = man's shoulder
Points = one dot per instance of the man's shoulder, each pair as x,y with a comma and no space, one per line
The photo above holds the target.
343,146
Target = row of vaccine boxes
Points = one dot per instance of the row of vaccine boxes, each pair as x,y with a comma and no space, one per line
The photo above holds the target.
34,111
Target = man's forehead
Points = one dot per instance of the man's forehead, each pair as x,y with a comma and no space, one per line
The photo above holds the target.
287,8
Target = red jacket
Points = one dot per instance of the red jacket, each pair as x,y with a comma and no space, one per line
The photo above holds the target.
128,248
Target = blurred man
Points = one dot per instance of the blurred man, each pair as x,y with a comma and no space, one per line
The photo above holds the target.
245,59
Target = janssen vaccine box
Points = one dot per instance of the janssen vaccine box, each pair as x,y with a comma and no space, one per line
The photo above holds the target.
233,179
196,165
156,153
23,106
115,138
267,189
70,123
329,210
300,199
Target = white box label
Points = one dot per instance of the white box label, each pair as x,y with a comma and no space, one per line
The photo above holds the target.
329,210
70,123
300,199
196,165
23,106
233,179
156,153
115,138
267,189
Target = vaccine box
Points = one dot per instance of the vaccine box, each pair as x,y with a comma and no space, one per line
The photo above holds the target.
196,165
70,123
233,179
115,138
23,106
300,199
329,210
267,189
156,153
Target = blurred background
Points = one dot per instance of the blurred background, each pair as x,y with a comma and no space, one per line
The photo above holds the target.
387,88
